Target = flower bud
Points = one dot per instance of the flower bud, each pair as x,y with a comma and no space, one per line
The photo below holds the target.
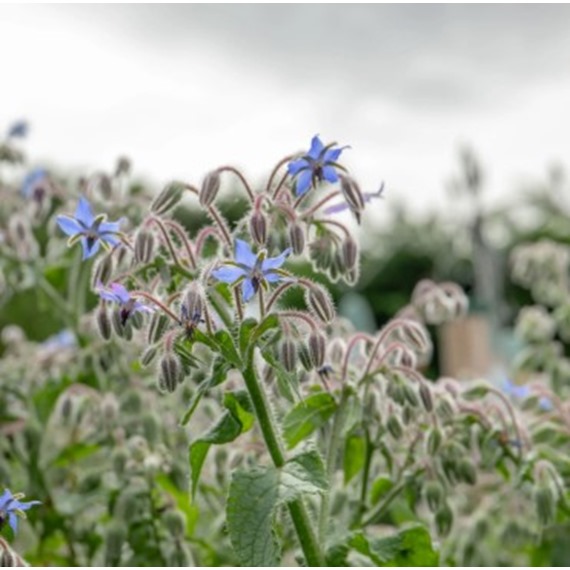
349,253
394,427
66,409
545,502
170,374
258,228
467,472
317,348
144,246
305,357
288,355
444,520
410,395
194,302
132,403
435,495
167,199
445,409
102,270
352,195
157,327
115,537
151,427
103,322
119,461
149,355
8,558
297,238
320,303
408,415
210,188
426,397
434,440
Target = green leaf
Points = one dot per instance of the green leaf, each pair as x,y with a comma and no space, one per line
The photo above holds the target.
411,546
74,453
380,487
253,499
227,347
286,382
307,416
237,419
354,456
245,333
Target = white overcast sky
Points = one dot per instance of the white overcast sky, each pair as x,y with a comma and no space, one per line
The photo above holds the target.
182,89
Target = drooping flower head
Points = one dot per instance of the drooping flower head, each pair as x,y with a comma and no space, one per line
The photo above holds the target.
255,270
11,508
317,165
346,205
34,182
90,229
117,293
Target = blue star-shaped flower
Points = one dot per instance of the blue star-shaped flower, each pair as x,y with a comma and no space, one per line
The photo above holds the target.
90,229
11,507
33,181
255,270
317,165
19,129
118,294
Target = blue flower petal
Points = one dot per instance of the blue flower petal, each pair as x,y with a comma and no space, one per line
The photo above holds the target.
5,499
248,289
316,148
84,213
304,182
297,166
332,154
120,292
69,225
244,255
13,521
275,262
110,227
229,273
329,174
89,249
272,277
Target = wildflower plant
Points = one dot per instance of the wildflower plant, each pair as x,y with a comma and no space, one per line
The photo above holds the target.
280,433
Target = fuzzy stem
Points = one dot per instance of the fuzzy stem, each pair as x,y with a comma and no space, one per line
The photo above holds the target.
221,224
275,170
322,202
241,177
267,423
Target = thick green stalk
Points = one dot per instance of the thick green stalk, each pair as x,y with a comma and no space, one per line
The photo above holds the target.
267,423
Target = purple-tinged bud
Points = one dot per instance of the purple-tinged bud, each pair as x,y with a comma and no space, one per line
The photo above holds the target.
123,166
194,301
104,185
410,395
435,495
349,253
426,397
168,198
317,348
336,350
258,228
352,275
149,355
210,188
416,336
8,559
103,322
102,270
170,373
319,302
353,195
444,520
144,246
394,427
296,238
157,327
288,355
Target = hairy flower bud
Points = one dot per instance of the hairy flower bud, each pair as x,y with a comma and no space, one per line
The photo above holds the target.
258,227
170,372
444,520
149,355
296,238
103,322
115,537
305,357
119,461
320,303
545,502
394,427
8,558
353,195
435,495
194,300
157,327
349,253
317,348
102,270
167,199
288,354
466,471
410,395
210,188
434,441
426,397
144,246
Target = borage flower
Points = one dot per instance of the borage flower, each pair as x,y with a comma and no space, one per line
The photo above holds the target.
117,293
19,129
317,165
90,229
34,183
255,270
11,508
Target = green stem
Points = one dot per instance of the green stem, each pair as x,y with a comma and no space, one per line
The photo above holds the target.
267,423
